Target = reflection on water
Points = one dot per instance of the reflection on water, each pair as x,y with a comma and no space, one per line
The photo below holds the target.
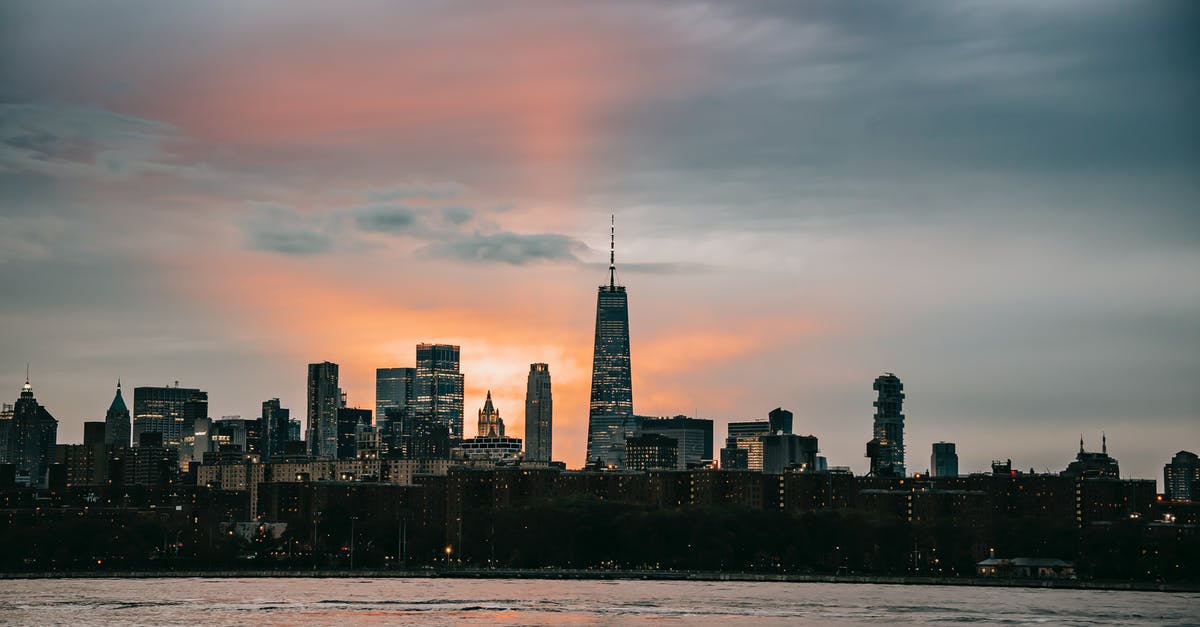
541,602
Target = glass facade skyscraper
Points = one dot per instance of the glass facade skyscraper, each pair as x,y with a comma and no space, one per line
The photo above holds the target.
610,415
171,411
539,414
394,389
324,398
439,387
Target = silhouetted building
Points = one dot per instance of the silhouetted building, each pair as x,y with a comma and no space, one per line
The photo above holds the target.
33,436
1181,477
539,414
117,426
493,448
275,421
693,435
294,431
395,388
439,386
171,411
944,460
780,420
6,443
151,463
743,445
1090,464
886,448
324,398
788,451
651,451
417,437
610,413
350,422
490,425
93,432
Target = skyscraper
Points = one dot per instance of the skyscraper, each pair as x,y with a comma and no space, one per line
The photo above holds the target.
116,422
610,415
1181,477
490,424
539,414
694,437
275,421
34,434
944,461
324,398
350,422
394,389
439,389
171,411
886,448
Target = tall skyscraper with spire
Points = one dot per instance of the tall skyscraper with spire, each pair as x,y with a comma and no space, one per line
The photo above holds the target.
539,414
610,415
34,435
116,421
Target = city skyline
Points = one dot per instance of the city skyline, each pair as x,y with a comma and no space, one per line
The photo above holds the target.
994,202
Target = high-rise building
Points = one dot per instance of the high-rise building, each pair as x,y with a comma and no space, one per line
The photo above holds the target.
416,437
168,410
116,421
350,422
743,445
294,430
780,420
439,387
274,421
394,389
693,435
1181,477
324,398
886,448
33,437
788,451
651,451
490,424
944,461
610,413
539,414
6,417
1089,464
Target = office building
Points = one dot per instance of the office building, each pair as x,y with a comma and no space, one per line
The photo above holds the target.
651,451
117,426
788,451
944,461
415,436
439,387
539,414
350,422
1089,464
324,398
1181,477
275,421
610,412
395,388
886,448
294,430
743,445
33,435
780,420
490,425
693,435
169,410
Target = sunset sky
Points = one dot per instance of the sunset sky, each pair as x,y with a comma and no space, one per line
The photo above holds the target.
999,202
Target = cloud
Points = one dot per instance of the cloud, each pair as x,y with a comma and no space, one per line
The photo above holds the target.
510,248
457,215
393,219
431,191
279,228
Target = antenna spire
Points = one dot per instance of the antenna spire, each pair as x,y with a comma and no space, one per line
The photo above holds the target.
1103,443
612,252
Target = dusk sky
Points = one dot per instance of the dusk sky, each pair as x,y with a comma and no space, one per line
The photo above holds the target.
999,202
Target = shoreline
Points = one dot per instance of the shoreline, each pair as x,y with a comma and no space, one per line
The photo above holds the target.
1068,584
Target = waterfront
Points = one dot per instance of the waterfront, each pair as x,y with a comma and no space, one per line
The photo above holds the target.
280,601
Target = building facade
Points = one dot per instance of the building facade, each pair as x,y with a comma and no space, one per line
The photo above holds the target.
651,451
1181,477
275,419
439,387
694,436
395,388
32,438
610,412
350,422
944,460
171,411
490,425
539,414
117,426
324,398
886,448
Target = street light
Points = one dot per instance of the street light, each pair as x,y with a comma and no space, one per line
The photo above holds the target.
449,550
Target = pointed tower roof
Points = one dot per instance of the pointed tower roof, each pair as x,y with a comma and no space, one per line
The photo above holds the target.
118,403
487,404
